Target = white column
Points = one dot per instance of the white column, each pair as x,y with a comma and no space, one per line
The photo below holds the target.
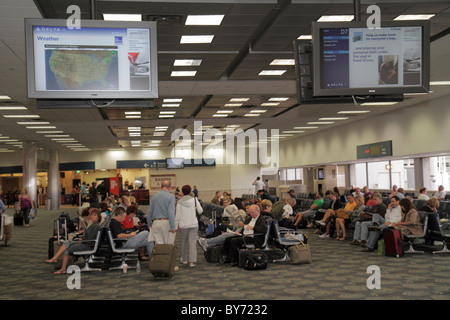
30,168
53,189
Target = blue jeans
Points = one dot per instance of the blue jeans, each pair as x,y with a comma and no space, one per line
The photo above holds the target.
361,230
374,235
140,240
219,240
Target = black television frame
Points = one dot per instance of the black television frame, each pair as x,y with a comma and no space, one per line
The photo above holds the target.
91,94
386,90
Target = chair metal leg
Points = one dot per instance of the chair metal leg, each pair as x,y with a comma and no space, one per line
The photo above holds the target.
411,249
444,250
87,267
284,259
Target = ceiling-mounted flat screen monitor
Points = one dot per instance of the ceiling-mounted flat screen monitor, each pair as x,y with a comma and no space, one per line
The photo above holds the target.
175,163
351,59
100,60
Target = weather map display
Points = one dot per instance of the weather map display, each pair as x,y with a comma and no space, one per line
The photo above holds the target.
81,68
93,61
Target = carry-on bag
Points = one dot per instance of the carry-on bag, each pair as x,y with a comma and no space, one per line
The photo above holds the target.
300,253
213,254
393,243
18,219
162,261
256,261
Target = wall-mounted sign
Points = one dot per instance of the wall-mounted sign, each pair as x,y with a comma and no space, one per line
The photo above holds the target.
374,150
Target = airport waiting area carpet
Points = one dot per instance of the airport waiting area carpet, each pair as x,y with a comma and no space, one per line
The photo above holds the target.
339,271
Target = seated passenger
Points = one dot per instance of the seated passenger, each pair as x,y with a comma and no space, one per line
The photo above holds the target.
69,247
423,194
393,215
440,194
216,199
410,222
432,205
365,220
129,222
236,224
266,207
136,240
340,215
254,231
311,212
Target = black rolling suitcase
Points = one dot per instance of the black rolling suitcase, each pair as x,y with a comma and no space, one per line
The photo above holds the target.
213,254
18,219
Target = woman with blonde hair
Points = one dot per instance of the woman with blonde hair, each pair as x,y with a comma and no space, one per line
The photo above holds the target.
25,205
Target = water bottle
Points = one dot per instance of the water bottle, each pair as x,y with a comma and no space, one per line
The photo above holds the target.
138,267
125,268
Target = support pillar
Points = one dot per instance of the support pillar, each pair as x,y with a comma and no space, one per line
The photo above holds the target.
30,168
53,188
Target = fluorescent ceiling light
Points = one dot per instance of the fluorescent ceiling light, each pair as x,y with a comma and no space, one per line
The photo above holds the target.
278,99
4,137
258,111
439,83
252,115
335,118
196,39
336,18
270,104
220,115
167,112
10,140
57,135
12,108
283,62
414,17
170,105
239,99
323,122
187,62
133,117
21,116
121,17
173,100
41,127
183,73
33,122
225,111
378,103
305,37
204,20
49,131
133,112
5,98
271,72
353,111
159,134
293,131
162,127
166,116
233,104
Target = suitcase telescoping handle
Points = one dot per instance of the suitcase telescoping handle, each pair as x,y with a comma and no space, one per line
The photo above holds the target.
58,231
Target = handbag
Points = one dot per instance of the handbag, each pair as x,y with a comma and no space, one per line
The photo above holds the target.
300,253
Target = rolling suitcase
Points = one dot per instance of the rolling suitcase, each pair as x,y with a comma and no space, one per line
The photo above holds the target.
18,219
162,261
213,254
393,243
212,225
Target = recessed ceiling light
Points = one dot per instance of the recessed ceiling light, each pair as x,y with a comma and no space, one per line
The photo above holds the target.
258,111
293,131
166,116
225,111
305,37
133,112
414,17
204,20
173,100
323,122
353,111
161,127
196,39
33,122
283,62
56,135
121,17
239,99
5,98
21,116
134,128
336,18
133,117
183,73
233,104
167,112
252,115
271,72
12,108
335,118
41,127
439,83
159,134
270,104
220,115
49,131
187,62
378,103
170,105
278,99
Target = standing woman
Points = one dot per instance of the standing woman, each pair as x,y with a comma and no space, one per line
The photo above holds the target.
186,220
26,204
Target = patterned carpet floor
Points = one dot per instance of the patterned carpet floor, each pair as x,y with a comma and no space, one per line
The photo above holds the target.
338,272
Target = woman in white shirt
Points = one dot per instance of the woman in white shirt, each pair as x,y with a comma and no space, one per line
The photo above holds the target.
187,223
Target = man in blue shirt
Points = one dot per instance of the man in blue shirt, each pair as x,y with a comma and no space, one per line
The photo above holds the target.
161,216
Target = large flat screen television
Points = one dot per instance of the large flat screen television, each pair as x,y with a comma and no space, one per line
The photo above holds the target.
351,59
100,60
175,163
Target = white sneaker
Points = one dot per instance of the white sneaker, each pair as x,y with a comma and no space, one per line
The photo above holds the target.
324,236
182,261
202,242
321,223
